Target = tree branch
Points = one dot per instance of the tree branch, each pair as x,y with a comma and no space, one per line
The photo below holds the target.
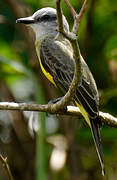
71,9
76,54
72,37
77,17
82,11
59,16
6,167
106,118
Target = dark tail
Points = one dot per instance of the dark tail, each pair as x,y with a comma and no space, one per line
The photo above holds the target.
97,139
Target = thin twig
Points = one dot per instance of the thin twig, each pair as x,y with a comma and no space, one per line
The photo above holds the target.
106,118
6,167
71,9
82,10
77,17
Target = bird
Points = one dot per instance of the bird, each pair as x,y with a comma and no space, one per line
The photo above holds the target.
55,54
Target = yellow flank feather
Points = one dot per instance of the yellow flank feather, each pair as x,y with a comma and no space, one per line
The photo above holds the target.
84,113
47,74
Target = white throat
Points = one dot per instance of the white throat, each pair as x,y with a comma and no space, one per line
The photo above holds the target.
41,31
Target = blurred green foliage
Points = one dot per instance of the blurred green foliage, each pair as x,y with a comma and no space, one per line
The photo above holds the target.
97,37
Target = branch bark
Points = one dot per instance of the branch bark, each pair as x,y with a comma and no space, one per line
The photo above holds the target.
77,17
106,118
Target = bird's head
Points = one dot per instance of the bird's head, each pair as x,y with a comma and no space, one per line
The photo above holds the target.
44,22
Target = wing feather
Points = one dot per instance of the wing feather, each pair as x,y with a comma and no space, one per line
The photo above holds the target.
61,67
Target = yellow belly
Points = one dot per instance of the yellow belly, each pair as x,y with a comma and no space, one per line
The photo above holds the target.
48,75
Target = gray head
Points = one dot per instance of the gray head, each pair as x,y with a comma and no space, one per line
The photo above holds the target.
43,22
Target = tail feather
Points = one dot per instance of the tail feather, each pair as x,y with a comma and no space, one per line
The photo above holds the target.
97,139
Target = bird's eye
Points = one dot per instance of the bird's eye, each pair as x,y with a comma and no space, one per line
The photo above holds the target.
38,19
45,18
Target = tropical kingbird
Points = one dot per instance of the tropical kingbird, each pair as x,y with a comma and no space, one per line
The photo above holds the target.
55,55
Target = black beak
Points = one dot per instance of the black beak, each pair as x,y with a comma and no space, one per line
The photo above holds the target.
26,20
